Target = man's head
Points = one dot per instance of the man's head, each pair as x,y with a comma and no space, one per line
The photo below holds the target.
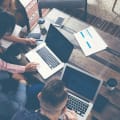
7,23
53,97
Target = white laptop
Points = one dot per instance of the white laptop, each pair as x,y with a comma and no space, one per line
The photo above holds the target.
51,54
82,90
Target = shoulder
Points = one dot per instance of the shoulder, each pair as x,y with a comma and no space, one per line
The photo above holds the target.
28,115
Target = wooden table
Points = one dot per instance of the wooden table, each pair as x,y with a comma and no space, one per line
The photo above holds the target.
103,65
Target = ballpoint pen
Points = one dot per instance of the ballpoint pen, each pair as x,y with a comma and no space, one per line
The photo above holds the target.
38,40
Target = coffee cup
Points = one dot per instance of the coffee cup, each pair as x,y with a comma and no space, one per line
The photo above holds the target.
111,84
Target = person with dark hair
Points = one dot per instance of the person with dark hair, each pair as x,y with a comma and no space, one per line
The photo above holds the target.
10,6
53,99
9,104
7,23
12,102
16,8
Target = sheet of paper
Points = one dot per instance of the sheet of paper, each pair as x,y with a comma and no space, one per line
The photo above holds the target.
90,41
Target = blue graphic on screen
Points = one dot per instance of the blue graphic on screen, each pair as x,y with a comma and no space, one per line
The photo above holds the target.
79,82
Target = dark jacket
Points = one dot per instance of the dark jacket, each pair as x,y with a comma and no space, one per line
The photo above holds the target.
27,115
7,107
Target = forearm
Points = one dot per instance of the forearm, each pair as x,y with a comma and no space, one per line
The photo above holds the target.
11,67
15,39
21,94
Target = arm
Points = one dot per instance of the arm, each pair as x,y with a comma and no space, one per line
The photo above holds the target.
20,95
17,68
11,67
20,40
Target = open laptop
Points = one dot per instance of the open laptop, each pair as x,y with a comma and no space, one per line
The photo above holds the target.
82,90
51,54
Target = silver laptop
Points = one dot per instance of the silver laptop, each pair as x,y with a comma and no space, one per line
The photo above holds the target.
82,90
51,54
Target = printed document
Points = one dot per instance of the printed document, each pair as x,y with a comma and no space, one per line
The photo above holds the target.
90,41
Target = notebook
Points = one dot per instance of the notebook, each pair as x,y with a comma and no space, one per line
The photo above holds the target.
82,90
51,54
90,41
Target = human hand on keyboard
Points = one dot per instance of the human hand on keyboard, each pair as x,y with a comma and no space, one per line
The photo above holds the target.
31,67
70,115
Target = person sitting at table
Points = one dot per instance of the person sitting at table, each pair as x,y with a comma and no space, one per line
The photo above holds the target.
53,99
10,6
16,8
7,23
11,102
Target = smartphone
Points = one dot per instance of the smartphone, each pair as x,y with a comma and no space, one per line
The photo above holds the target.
59,21
34,35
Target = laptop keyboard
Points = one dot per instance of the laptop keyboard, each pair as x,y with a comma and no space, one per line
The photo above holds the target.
79,106
48,57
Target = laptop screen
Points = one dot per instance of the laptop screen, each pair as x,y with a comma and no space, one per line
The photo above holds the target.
58,44
81,83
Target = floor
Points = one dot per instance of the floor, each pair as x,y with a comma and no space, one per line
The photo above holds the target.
103,9
101,15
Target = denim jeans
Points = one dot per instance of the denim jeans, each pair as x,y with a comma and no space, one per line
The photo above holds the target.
20,96
4,75
10,104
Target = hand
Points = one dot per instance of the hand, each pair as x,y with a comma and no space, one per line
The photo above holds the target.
31,67
70,115
19,77
30,41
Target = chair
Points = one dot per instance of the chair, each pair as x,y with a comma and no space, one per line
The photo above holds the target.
63,4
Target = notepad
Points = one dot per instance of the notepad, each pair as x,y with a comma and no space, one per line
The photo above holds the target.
90,41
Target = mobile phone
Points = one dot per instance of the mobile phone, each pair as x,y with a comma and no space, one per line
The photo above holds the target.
59,21
34,35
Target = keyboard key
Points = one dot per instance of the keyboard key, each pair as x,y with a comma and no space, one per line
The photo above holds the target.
77,105
50,60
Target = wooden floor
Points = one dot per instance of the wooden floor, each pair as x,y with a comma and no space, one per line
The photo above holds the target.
100,23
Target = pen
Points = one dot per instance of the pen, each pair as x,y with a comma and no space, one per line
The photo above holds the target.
38,40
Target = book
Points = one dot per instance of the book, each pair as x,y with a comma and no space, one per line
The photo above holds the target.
90,41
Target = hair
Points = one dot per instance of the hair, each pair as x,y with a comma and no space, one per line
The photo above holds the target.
11,5
7,23
53,95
